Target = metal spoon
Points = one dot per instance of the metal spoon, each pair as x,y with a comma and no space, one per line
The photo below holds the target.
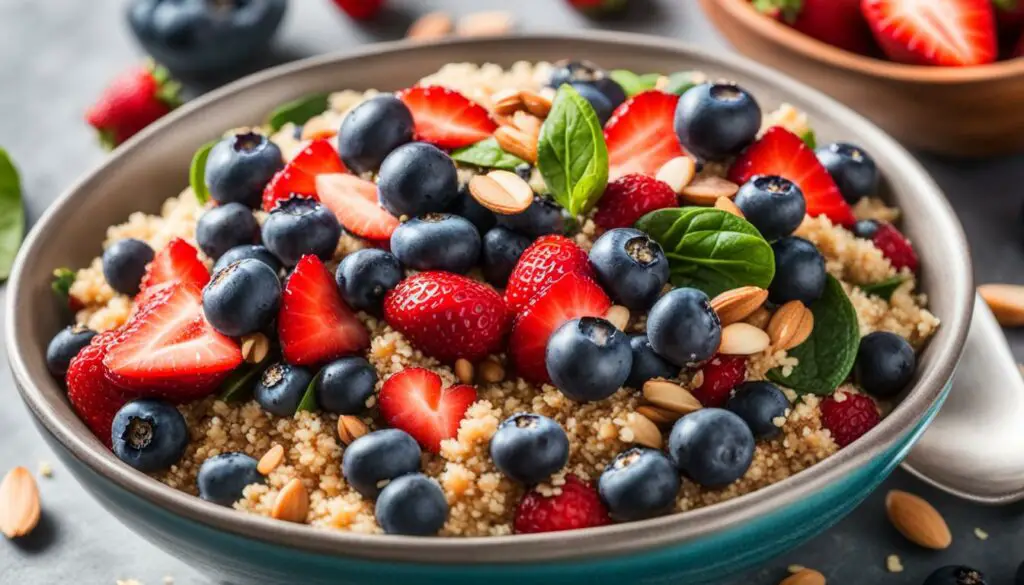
974,449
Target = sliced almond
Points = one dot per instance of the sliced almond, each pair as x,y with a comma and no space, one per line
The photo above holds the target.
658,415
514,141
19,503
644,431
1006,302
255,347
706,190
491,372
537,104
743,339
619,316
432,25
270,460
507,102
727,205
527,122
464,370
677,173
759,318
670,396
804,577
790,326
351,428
502,192
292,503
736,305
482,24
917,520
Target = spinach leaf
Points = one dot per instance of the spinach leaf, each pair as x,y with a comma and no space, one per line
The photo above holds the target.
197,172
298,111
63,278
571,153
308,402
487,154
681,81
884,288
710,249
12,216
827,356
632,83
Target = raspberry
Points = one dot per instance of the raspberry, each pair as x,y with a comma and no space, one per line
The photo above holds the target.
850,419
895,247
721,374
578,506
629,198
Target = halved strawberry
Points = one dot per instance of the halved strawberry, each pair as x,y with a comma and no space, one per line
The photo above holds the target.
950,33
298,177
169,350
315,325
414,401
446,118
93,396
544,262
640,134
572,296
782,153
354,202
177,262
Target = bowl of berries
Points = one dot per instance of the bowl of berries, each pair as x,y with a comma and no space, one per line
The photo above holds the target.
903,65
522,316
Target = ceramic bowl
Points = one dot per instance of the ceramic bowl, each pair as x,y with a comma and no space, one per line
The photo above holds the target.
958,111
701,546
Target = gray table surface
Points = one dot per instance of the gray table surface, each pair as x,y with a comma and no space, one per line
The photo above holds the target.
57,56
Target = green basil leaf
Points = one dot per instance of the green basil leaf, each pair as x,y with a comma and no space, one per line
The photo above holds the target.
197,172
238,386
827,356
308,402
884,288
681,81
298,111
632,83
571,153
487,154
12,216
710,249
63,278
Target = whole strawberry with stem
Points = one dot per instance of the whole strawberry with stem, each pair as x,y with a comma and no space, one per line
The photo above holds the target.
133,100
839,23
598,7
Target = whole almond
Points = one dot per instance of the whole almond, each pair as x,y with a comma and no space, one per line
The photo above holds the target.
292,503
790,326
917,520
537,104
658,415
270,460
464,370
527,122
1006,302
507,101
725,204
804,577
480,24
502,192
677,173
743,339
670,396
706,190
491,371
644,431
19,503
737,304
432,25
516,142
618,316
350,428
759,318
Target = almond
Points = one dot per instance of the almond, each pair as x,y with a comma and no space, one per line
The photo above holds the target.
319,127
677,173
528,123
433,25
507,101
790,326
917,520
292,503
644,431
725,204
743,339
669,396
759,318
1006,302
19,503
464,370
350,428
804,577
619,316
707,190
516,142
658,415
491,372
483,24
270,460
537,104
502,192
736,305
255,348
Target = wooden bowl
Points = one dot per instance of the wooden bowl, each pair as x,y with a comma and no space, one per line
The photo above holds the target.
958,111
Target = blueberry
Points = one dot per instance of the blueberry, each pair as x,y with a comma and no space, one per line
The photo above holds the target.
413,505
365,276
502,248
524,171
647,365
683,328
566,71
956,575
853,170
866,228
254,252
639,483
281,387
711,446
885,364
529,448
65,346
799,272
437,241
630,266
372,130
759,404
243,298
541,218
344,385
222,478
225,227
240,166
149,435
124,264
602,105
378,457
717,120
416,179
466,206
299,227
775,206
588,359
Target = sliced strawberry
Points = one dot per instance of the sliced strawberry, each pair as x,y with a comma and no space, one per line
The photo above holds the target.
177,262
414,401
446,118
640,134
572,296
315,325
630,197
354,202
298,177
950,33
721,374
93,396
544,262
169,350
782,153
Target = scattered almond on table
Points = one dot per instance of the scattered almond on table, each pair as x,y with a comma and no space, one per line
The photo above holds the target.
1006,302
917,520
19,503
804,577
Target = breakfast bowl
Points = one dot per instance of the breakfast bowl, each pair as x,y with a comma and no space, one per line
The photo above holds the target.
956,111
698,546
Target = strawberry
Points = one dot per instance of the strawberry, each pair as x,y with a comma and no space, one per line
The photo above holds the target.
598,7
298,177
573,295
412,400
169,350
354,202
177,262
721,373
448,316
578,506
544,262
893,244
850,419
93,396
446,118
640,134
950,33
133,100
360,9
836,22
630,197
314,324
780,152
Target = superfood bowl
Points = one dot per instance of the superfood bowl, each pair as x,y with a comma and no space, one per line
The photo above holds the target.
701,546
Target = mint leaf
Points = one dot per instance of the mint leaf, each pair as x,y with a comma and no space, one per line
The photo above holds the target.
827,356
12,216
197,172
298,111
487,154
63,278
680,82
308,402
571,153
885,288
710,249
